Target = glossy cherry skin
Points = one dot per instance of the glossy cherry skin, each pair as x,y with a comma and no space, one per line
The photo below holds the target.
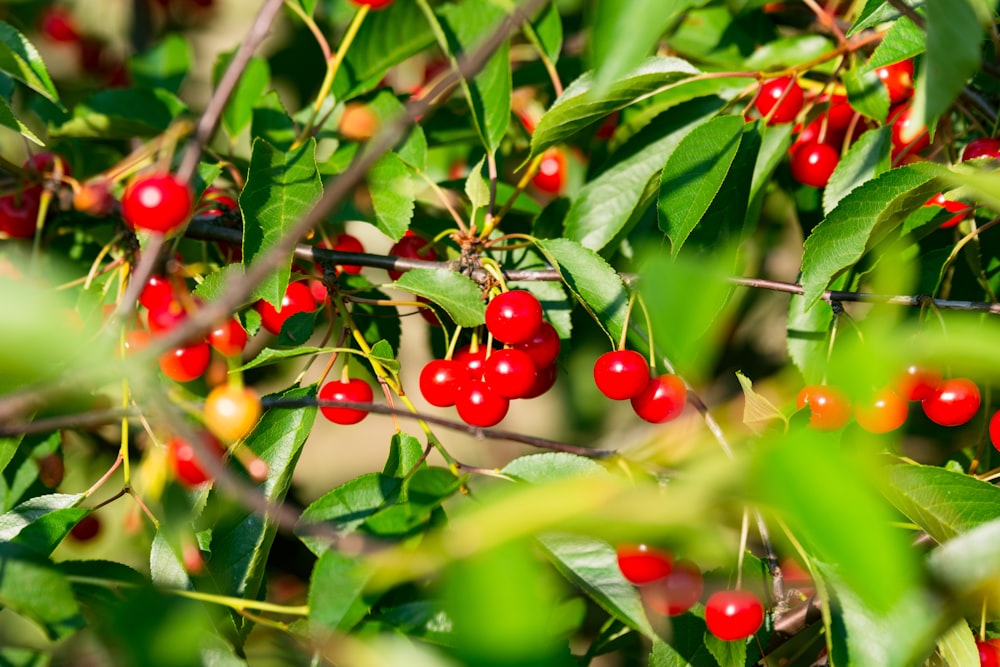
231,412
298,299
954,403
733,615
543,347
989,655
411,247
813,163
345,242
898,80
829,408
478,405
995,430
166,317
157,294
216,201
156,202
551,175
510,373
19,214
786,106
677,592
952,207
982,147
187,363
545,378
642,563
916,382
621,374
886,411
355,390
441,380
185,463
372,4
906,134
662,400
473,361
513,317
228,338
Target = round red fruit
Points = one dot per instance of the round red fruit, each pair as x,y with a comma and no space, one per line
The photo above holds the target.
543,346
952,207
642,564
344,242
156,202
662,400
229,338
781,98
510,373
231,412
216,201
989,654
157,294
733,615
995,430
185,462
184,364
898,80
355,390
298,299
954,403
551,175
982,147
372,4
473,361
885,412
441,381
677,592
478,405
545,378
829,408
513,317
621,374
19,213
411,247
916,383
86,528
57,24
906,133
813,163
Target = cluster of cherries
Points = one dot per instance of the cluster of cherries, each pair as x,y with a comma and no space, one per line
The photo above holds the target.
671,588
623,375
19,210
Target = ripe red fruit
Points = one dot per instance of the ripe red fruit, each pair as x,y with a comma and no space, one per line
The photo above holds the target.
157,294
355,390
441,381
186,464
898,80
906,134
641,563
955,402
621,374
44,162
344,242
677,592
187,363
19,213
662,400
733,615
513,317
478,405
510,373
551,174
829,408
216,201
782,106
473,361
157,203
995,430
411,247
916,383
543,346
989,654
950,206
228,338
982,147
86,528
166,317
298,299
57,24
813,163
231,412
544,379
885,412
373,4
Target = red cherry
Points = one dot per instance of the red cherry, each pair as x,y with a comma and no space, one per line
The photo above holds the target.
950,206
510,373
543,346
982,147
473,361
228,338
995,430
545,378
916,383
621,374
57,24
641,563
955,402
513,317
157,203
86,528
298,299
184,364
166,318
829,408
441,380
372,4
785,110
157,294
185,462
344,242
677,592
906,134
551,175
216,201
19,213
662,400
885,412
838,116
478,405
898,80
813,163
733,615
355,390
411,247
136,339
989,655
44,162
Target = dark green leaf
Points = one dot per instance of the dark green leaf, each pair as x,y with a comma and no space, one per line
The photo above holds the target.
270,121
165,566
10,121
269,356
866,93
281,188
51,515
383,354
726,653
348,506
393,194
547,27
904,40
941,502
8,447
457,294
122,114
253,83
773,146
164,66
20,59
879,11
33,587
336,591
953,56
413,151
867,158
405,452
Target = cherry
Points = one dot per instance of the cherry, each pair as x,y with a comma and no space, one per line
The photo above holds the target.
441,380
355,390
86,528
544,379
298,299
675,593
216,201
228,338
955,402
829,408
662,400
411,247
733,615
543,346
995,430
58,25
551,175
185,462
231,412
906,134
641,563
44,162
989,655
897,79
344,242
167,317
916,383
952,207
136,339
838,116
478,405
19,213
372,4
473,361
358,122
510,373
513,317
156,202
186,363
94,198
782,106
981,147
813,163
885,412
621,374
157,294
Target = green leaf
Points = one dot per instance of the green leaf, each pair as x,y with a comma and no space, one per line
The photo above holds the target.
476,187
958,646
726,653
806,335
413,151
605,205
866,93
867,158
551,466
758,412
33,587
864,217
460,297
10,121
336,589
903,40
727,218
405,452
280,189
33,509
393,195
8,447
165,567
269,356
383,354
253,83
593,282
773,148
789,51
308,6
548,32
580,106
953,57
942,502
163,66
968,565
40,523
879,11
270,121
122,114
20,59
687,647
693,175
348,506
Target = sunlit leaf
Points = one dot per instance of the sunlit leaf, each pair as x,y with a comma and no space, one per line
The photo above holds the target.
457,294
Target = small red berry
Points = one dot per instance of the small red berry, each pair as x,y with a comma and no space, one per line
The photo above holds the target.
813,163
898,80
733,615
829,408
916,383
952,207
216,201
478,405
906,134
57,24
298,299
86,528
545,378
782,106
187,363
885,412
662,400
186,464
989,655
982,147
355,390
955,402
551,175
473,361
543,346
372,4
229,338
344,242
510,373
441,381
19,213
641,563
157,294
157,203
513,317
995,430
621,374
677,592
411,247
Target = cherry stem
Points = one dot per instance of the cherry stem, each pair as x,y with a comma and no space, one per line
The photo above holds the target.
135,496
550,68
628,316
744,530
649,329
105,477
313,28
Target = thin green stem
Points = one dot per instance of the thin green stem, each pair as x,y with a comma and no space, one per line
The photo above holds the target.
628,316
649,331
